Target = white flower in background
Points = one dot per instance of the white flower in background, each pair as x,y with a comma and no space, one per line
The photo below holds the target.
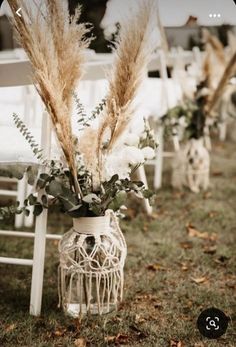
182,122
148,153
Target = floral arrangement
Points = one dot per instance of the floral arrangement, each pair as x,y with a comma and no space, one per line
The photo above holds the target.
199,113
95,173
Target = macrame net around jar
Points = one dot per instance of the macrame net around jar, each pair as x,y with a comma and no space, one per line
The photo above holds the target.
92,256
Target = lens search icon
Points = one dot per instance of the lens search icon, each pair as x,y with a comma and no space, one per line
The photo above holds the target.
212,323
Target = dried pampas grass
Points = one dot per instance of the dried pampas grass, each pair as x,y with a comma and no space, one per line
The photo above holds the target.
215,44
215,61
229,72
132,51
55,45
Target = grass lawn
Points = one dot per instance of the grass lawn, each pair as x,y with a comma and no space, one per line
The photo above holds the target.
180,261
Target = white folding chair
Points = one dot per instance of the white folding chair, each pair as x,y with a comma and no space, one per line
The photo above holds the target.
27,100
159,63
16,73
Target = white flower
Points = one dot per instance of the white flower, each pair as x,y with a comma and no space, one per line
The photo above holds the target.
133,155
132,139
148,153
121,160
182,121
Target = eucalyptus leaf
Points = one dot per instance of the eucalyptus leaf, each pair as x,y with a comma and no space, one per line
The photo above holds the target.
38,208
42,180
147,193
44,199
118,201
27,212
90,198
32,199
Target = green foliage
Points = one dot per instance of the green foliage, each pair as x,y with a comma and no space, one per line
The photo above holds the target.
57,184
99,108
29,138
85,120
180,115
147,139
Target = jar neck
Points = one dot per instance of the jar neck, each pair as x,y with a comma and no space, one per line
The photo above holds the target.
91,225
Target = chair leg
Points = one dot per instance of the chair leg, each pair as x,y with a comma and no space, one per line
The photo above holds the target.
38,264
142,177
222,131
159,159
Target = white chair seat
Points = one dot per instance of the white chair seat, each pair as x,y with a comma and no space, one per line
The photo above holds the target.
13,146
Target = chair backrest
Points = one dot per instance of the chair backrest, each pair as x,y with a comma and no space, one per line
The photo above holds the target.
18,73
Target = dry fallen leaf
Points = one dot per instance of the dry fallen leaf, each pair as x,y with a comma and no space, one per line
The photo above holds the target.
110,339
139,319
186,245
212,214
184,267
9,327
199,280
175,343
155,267
193,232
210,249
217,173
119,339
80,342
58,332
207,195
145,228
155,216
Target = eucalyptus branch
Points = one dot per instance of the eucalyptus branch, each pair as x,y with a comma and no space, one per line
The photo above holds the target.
37,151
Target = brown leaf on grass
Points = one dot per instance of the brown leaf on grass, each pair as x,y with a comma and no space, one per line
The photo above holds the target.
178,194
184,267
175,343
119,339
207,195
212,214
9,327
199,280
139,319
80,342
145,228
209,249
193,232
217,173
58,332
155,216
155,267
110,339
186,245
